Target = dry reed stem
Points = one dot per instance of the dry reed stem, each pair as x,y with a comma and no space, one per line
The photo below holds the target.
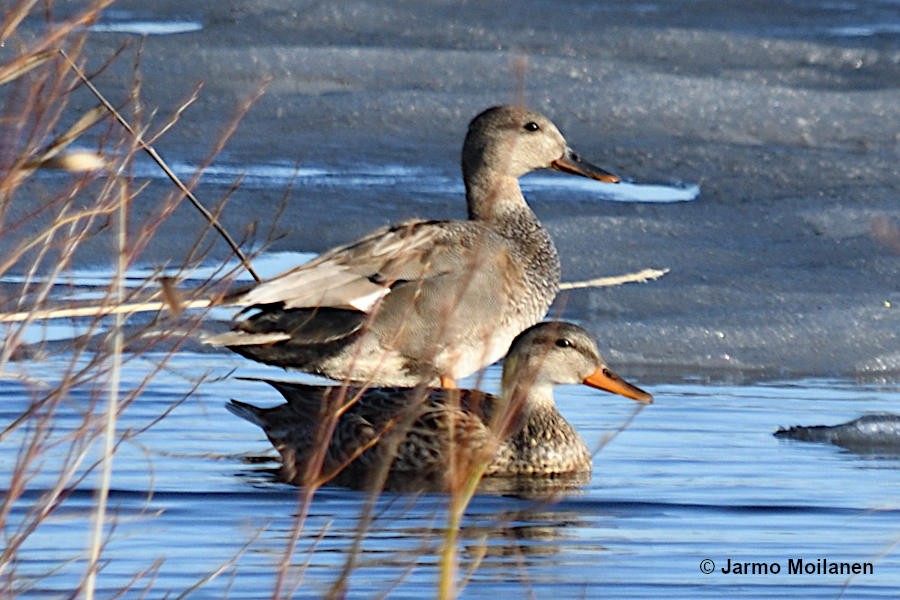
101,311
49,251
109,429
642,276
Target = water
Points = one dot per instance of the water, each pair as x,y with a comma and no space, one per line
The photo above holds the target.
120,21
417,180
696,475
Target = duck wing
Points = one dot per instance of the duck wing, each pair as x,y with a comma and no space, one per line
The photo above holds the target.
358,275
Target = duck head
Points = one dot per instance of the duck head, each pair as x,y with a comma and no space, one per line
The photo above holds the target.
513,141
556,353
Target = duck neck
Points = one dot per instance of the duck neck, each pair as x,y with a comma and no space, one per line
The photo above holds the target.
528,401
495,199
542,441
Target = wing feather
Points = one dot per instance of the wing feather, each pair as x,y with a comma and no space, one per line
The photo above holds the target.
358,275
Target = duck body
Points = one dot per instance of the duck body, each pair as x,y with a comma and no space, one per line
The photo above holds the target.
360,437
424,302
466,270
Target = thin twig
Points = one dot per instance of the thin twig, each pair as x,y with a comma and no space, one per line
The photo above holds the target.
137,307
162,164
99,311
639,277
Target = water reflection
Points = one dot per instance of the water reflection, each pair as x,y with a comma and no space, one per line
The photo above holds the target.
265,469
400,536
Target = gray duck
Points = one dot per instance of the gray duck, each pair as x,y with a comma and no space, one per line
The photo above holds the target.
424,302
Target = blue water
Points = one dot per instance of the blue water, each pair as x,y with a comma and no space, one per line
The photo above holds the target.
696,475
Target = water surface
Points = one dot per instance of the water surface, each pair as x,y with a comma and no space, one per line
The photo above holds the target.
697,475
417,180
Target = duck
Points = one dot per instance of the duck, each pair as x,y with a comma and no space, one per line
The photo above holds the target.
423,302
362,437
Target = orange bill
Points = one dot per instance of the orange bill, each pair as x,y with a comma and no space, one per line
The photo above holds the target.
570,162
604,379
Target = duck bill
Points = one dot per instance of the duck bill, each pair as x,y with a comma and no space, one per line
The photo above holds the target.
605,379
570,162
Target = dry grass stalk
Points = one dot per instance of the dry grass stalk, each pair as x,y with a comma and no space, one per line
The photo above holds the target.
642,276
104,311
176,308
41,242
109,422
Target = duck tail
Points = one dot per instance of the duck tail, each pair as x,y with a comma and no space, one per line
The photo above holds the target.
251,413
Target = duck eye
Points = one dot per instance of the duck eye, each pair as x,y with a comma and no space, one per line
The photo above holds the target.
531,126
563,343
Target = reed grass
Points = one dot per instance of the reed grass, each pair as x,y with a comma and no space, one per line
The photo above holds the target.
45,223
